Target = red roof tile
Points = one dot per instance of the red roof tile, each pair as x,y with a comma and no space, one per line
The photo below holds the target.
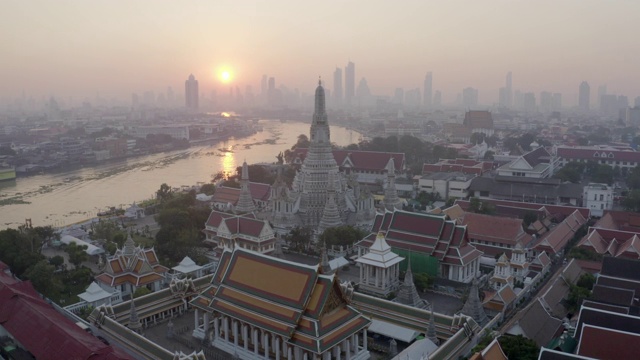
42,330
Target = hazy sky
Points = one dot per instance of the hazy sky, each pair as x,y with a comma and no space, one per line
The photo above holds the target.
118,47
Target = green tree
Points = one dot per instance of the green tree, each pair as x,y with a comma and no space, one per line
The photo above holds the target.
299,237
631,202
77,254
41,276
141,292
571,172
481,207
164,193
56,261
584,254
208,189
519,347
633,178
477,138
422,281
342,235
16,250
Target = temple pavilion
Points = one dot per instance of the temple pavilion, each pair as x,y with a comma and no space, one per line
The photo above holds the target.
379,268
261,307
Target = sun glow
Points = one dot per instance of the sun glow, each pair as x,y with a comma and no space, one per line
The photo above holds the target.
225,75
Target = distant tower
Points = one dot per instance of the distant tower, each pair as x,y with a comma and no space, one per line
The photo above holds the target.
391,200
245,201
437,99
509,90
191,93
337,87
350,83
584,96
428,90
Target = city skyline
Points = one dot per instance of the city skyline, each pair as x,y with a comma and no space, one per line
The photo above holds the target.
73,48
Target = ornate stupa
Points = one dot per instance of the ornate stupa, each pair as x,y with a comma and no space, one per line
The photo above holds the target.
319,181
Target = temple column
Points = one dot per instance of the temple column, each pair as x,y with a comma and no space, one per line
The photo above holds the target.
347,349
364,340
361,274
338,352
276,343
245,337
327,355
196,320
354,343
216,327
206,322
235,333
254,335
305,356
225,327
289,353
265,338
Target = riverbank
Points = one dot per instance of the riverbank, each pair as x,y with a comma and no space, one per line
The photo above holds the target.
47,199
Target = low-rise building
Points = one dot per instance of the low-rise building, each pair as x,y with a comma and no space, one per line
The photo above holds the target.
623,158
447,185
598,198
224,230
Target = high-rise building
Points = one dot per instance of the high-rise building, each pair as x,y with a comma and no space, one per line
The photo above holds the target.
272,83
546,101
191,96
337,87
556,103
636,101
584,96
263,86
470,97
398,96
529,102
437,99
602,90
349,83
428,89
509,91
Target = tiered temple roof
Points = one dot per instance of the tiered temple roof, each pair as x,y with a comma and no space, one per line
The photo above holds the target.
309,310
245,229
132,264
425,233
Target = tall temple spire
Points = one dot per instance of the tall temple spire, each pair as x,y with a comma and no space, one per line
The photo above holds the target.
330,213
245,201
134,322
408,294
391,200
129,246
431,330
473,306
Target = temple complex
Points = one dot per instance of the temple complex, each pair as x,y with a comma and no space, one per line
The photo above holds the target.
318,182
131,268
250,311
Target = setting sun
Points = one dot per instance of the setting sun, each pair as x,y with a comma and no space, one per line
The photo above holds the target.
225,76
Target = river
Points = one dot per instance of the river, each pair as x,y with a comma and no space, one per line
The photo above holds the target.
65,198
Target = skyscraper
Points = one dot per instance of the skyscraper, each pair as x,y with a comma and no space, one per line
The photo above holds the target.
469,97
428,89
584,95
509,91
191,93
437,99
337,86
350,83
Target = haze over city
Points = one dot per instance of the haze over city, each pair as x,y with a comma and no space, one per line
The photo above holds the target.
79,48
